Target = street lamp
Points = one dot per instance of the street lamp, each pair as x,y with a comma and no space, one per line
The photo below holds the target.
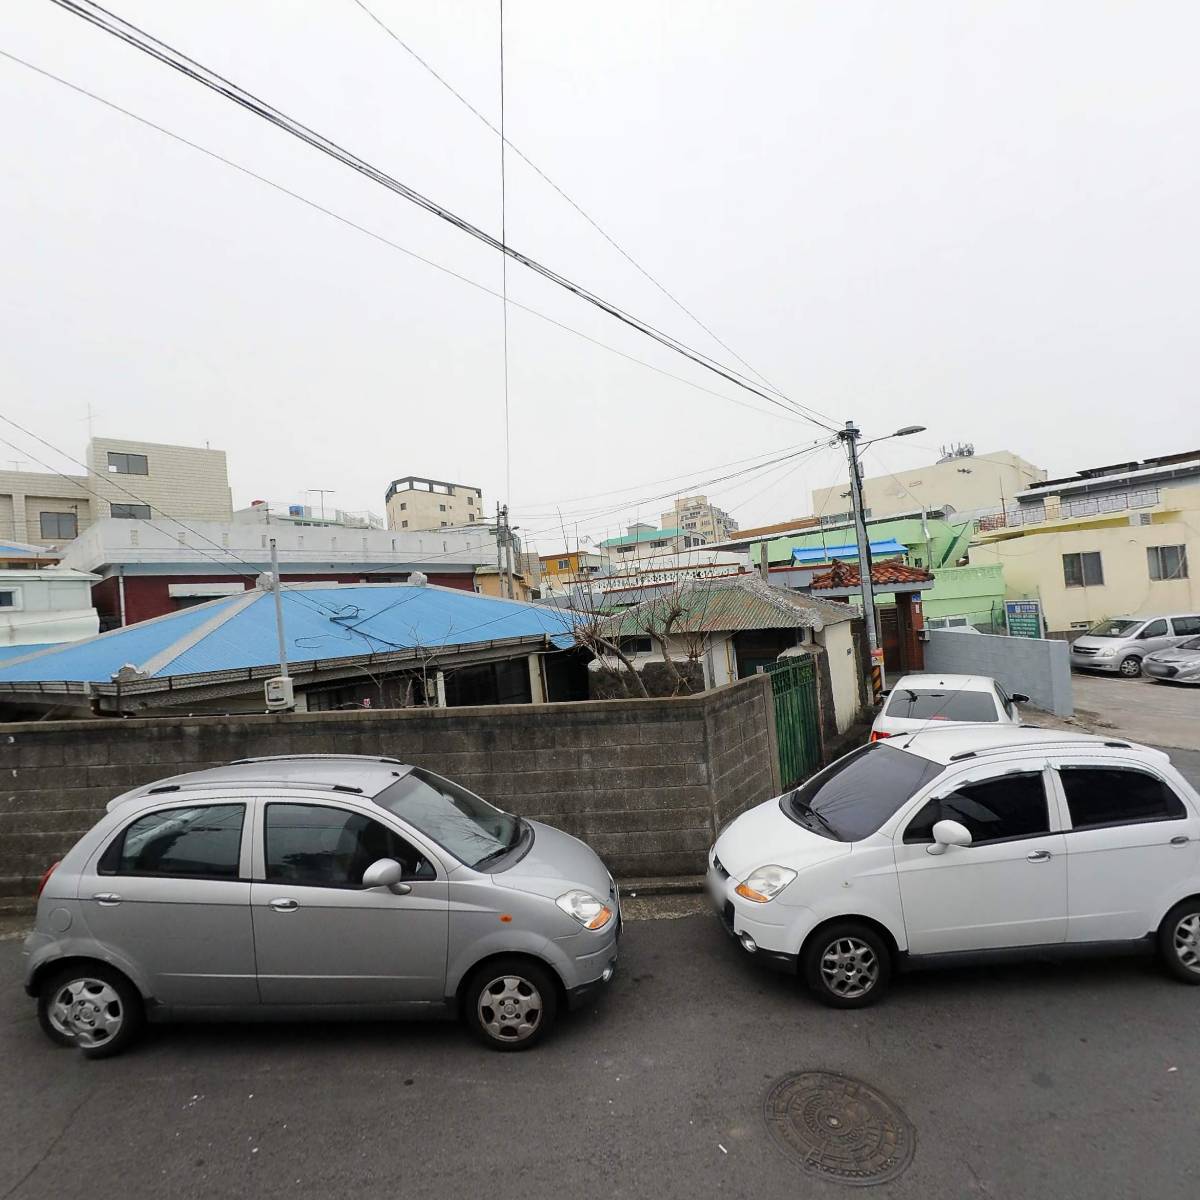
850,435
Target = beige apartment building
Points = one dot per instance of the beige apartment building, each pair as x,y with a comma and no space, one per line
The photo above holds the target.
1108,542
416,503
964,481
694,515
126,479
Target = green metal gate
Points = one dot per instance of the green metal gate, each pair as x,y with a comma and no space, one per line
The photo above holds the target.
797,717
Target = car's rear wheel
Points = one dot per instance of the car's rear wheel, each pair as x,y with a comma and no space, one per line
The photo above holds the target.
1179,941
92,1007
847,965
1131,667
511,1003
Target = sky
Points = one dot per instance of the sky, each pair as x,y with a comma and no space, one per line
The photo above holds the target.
977,217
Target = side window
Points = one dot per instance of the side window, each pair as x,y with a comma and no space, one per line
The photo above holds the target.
1154,629
1186,626
191,843
315,846
1100,796
994,810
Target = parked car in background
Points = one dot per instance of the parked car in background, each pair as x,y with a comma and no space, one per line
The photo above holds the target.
1120,644
1180,664
312,886
915,700
964,839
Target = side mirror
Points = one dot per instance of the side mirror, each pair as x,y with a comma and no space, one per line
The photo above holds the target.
386,872
1019,698
947,834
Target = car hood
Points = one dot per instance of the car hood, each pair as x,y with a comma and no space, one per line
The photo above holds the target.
555,863
765,835
1174,656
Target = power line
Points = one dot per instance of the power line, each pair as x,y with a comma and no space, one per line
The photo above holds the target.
578,208
372,233
134,36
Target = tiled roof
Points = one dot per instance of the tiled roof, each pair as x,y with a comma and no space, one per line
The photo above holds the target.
892,570
724,605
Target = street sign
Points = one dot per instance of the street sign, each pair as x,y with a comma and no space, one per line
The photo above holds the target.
1023,618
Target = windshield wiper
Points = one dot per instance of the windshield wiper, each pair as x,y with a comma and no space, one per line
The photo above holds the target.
807,810
497,854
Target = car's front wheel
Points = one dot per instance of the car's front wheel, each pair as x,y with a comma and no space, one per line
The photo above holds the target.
1179,941
510,1003
92,1007
1131,667
847,965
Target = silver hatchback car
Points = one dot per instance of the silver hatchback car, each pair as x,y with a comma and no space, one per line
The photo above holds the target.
317,886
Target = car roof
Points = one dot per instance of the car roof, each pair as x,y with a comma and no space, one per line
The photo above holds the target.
960,683
954,743
354,774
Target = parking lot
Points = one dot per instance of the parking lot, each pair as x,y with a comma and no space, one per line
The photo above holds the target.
1161,714
1055,1078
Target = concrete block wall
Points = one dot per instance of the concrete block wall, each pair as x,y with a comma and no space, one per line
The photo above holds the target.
1039,667
645,782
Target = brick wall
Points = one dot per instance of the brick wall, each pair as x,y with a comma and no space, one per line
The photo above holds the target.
645,782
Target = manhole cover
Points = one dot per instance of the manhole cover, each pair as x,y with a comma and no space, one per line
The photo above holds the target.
838,1128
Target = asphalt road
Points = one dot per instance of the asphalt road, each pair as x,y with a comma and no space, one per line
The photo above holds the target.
1075,1079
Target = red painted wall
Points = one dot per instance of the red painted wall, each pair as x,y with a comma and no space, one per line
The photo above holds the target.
147,596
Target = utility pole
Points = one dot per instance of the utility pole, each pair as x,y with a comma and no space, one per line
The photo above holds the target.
504,567
850,436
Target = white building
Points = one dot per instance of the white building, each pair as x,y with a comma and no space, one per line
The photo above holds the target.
50,604
417,503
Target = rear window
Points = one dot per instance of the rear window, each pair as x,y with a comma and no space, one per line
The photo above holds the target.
854,796
920,704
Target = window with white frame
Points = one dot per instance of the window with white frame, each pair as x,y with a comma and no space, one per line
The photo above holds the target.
1167,562
10,598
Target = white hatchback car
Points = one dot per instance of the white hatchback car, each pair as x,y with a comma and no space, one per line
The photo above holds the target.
964,839
915,700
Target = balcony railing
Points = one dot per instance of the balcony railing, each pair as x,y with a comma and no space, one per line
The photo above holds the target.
1061,510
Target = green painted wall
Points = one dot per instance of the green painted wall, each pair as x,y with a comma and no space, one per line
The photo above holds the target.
948,540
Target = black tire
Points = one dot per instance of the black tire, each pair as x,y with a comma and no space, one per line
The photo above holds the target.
862,947
1131,667
523,987
1176,945
106,995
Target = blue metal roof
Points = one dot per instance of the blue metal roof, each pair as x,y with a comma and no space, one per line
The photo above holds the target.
824,554
321,622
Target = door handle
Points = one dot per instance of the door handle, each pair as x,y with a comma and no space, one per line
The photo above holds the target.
1180,839
284,905
1038,856
108,899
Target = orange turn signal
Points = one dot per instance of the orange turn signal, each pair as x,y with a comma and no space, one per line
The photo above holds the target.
750,894
878,737
601,919
506,917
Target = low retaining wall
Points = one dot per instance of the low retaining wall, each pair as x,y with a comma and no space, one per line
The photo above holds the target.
645,782
1039,667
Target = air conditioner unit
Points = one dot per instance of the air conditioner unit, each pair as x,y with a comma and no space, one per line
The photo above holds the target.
1141,519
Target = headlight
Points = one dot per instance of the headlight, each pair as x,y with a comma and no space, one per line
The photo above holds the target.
765,884
585,908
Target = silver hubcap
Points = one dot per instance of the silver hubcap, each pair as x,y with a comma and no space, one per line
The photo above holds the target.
510,1008
1131,666
849,968
1187,942
88,1010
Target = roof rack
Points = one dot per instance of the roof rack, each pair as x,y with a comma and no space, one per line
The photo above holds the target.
383,758
165,787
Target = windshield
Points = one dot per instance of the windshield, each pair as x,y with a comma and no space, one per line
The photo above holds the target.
1117,628
926,704
852,798
469,828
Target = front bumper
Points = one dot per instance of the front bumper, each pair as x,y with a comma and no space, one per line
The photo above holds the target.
1085,662
760,940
